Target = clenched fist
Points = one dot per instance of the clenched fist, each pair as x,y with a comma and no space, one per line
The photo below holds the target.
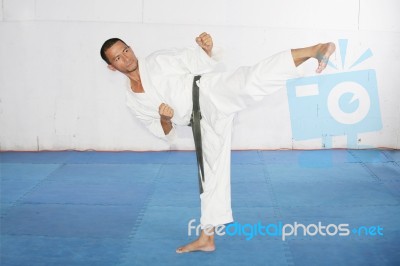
205,41
166,112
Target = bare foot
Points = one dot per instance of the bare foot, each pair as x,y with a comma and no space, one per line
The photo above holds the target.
203,243
197,245
323,52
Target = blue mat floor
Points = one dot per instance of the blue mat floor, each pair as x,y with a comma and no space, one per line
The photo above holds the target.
133,208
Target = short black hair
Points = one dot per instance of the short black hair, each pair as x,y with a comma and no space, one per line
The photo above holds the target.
106,45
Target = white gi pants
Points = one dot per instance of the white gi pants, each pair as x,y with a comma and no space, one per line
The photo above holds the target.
221,96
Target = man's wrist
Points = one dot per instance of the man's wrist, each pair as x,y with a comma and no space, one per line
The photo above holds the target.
209,53
166,125
166,120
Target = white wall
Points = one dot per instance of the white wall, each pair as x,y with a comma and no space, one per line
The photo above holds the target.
1,10
57,94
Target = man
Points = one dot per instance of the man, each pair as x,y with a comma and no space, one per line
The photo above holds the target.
160,93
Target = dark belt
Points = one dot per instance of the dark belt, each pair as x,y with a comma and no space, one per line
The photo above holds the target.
195,124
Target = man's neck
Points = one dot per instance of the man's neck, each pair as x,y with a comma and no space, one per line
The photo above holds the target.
134,76
135,82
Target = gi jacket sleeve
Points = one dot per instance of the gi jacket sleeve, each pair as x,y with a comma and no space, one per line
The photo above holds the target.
153,124
198,62
182,61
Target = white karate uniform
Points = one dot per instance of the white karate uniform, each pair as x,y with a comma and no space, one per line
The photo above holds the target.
167,77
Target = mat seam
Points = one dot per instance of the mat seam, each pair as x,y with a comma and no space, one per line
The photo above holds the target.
139,219
277,213
18,201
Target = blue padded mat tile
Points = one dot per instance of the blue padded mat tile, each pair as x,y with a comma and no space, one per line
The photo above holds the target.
345,252
153,251
32,251
13,190
70,220
246,157
245,173
229,252
393,155
83,192
182,157
280,156
17,179
393,188
313,158
102,173
252,195
167,222
332,194
26,171
324,158
348,172
385,171
253,215
185,194
369,156
4,208
43,157
257,251
88,157
178,173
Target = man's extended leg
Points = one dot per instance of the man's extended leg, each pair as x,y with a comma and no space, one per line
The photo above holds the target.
237,90
321,52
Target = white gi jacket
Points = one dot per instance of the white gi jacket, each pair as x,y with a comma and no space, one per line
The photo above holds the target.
167,77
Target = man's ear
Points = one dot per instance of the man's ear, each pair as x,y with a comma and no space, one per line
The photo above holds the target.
110,67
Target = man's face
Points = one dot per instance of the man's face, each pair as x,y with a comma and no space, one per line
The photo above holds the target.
121,58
